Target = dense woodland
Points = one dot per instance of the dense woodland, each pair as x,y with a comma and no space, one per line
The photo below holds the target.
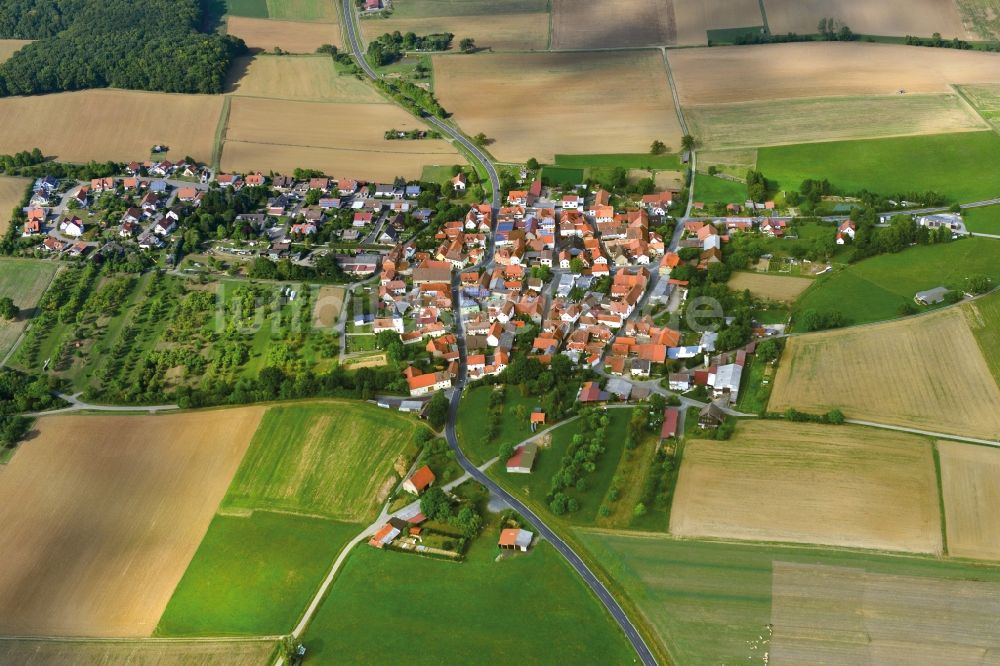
136,44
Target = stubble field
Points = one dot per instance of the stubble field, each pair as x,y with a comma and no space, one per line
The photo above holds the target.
925,372
771,287
696,17
557,90
774,71
118,125
329,459
147,653
597,25
753,124
103,514
9,46
11,192
305,78
894,18
835,615
807,483
290,36
970,483
340,139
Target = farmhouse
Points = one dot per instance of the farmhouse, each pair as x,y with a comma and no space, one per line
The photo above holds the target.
515,539
422,384
419,481
931,296
384,536
523,459
670,417
711,416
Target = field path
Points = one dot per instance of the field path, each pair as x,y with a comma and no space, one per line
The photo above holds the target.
684,129
76,405
927,433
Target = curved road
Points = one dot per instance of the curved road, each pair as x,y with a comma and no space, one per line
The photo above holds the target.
350,22
643,651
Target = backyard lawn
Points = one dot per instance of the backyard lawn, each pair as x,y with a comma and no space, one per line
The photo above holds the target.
984,220
473,421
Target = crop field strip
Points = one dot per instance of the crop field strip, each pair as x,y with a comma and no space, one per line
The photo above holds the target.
770,287
985,99
289,36
229,652
792,121
303,78
329,459
863,371
593,24
107,124
982,17
12,190
970,483
842,615
500,32
896,18
288,10
104,514
689,589
808,483
345,138
807,70
636,105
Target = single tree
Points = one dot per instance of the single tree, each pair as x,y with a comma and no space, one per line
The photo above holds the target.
532,164
480,140
437,410
468,45
688,142
657,147
7,308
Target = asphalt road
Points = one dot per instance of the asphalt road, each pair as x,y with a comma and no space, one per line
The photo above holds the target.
350,21
643,651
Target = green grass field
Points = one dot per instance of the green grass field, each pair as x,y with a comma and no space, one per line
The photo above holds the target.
557,175
534,486
23,281
730,35
875,288
303,10
707,601
961,166
984,220
669,162
428,8
249,8
709,189
253,575
527,609
472,421
332,459
985,325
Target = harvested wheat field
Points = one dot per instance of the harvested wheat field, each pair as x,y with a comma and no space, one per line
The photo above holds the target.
499,32
844,615
771,287
329,303
307,78
862,371
557,90
970,483
818,69
281,135
696,17
808,483
897,18
597,24
118,125
11,192
9,46
102,515
148,653
752,124
289,36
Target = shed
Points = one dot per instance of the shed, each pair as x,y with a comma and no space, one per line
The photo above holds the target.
670,417
523,459
931,296
419,481
515,539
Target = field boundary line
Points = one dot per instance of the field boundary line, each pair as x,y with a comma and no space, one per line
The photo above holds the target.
763,16
346,150
926,433
220,132
940,489
975,109
143,639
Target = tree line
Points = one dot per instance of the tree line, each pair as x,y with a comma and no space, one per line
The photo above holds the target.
392,46
134,44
